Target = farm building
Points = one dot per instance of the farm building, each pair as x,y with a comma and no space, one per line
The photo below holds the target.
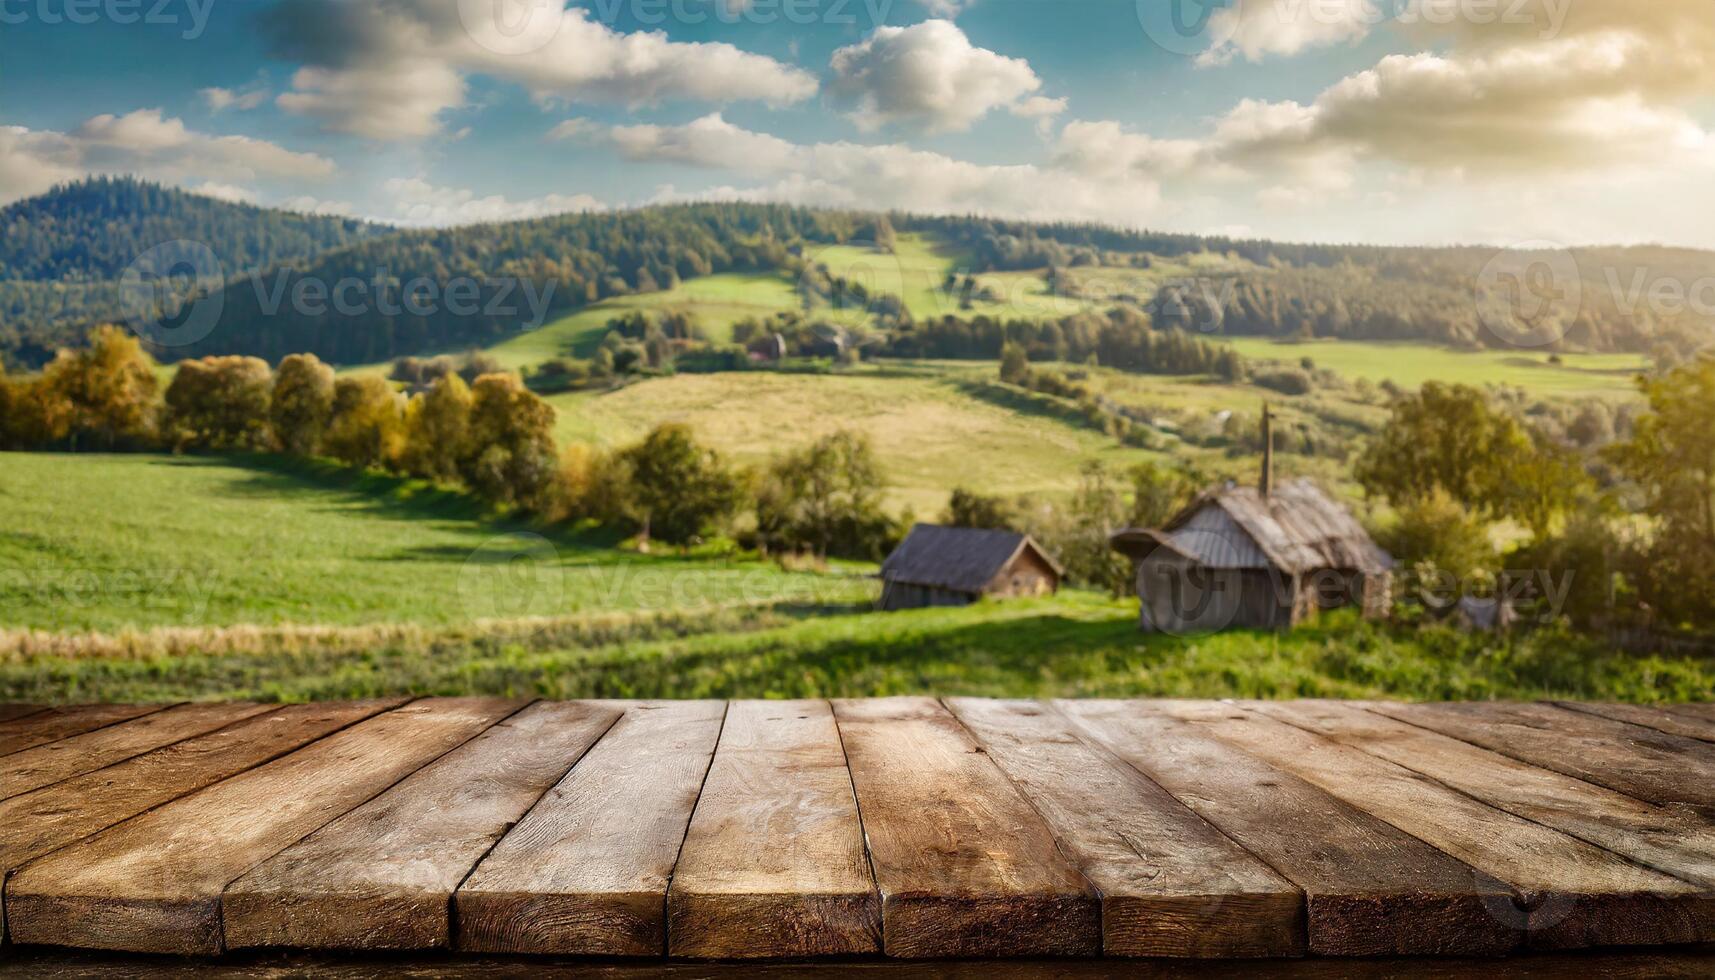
1256,558
955,566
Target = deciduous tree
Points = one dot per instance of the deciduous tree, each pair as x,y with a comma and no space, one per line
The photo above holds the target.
302,403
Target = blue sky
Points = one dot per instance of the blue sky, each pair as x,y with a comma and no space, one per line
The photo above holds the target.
1409,121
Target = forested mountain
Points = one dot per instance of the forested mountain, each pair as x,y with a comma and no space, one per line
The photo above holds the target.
353,292
62,254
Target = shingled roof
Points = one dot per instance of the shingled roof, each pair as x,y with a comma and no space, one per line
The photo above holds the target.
959,559
1296,529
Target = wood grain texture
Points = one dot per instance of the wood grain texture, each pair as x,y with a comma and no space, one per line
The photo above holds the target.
1641,762
11,711
35,823
41,727
383,875
1667,839
1171,885
153,883
586,871
1573,894
1370,889
773,865
1702,709
44,765
1663,719
965,865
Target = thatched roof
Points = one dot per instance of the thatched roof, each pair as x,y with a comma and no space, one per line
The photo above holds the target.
1297,529
959,559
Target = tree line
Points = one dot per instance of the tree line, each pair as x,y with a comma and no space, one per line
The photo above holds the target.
489,435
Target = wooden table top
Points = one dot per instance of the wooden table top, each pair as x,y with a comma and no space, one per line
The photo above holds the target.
860,830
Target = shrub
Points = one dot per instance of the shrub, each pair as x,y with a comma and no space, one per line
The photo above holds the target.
302,404
220,403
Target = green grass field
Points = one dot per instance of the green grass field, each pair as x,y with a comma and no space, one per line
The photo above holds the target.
1074,645
931,436
114,542
1410,365
718,302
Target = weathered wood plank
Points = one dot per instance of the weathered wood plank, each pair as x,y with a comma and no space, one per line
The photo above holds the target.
1665,838
964,864
153,883
586,871
383,875
1370,889
11,711
44,765
1574,894
1661,719
1702,709
1171,885
1637,761
773,865
35,823
42,727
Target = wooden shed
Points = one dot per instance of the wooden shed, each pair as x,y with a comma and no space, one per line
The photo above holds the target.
955,566
1256,558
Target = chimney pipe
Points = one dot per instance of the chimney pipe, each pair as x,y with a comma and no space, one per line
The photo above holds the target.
1267,451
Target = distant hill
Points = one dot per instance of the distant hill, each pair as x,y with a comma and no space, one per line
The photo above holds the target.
63,253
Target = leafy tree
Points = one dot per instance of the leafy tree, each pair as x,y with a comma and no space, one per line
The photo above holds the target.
1671,456
967,508
220,403
367,427
1014,363
673,489
826,497
1159,493
437,430
1449,438
105,391
1436,537
302,403
511,458
1078,535
1544,483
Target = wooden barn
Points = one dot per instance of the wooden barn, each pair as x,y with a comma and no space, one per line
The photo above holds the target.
1256,558
955,566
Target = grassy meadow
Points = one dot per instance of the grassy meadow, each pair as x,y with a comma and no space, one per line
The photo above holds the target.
1073,645
106,543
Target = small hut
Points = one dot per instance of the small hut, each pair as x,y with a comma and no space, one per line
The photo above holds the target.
955,566
1261,557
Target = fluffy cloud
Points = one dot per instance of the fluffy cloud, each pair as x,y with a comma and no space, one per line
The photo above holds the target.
415,201
147,143
928,75
844,174
220,99
388,69
1255,29
1609,93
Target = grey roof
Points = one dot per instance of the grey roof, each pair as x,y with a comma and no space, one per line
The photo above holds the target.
1297,529
959,559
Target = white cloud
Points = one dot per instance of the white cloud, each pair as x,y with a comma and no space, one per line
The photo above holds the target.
928,75
231,193
1255,29
890,176
947,8
389,70
313,205
220,99
415,201
146,143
